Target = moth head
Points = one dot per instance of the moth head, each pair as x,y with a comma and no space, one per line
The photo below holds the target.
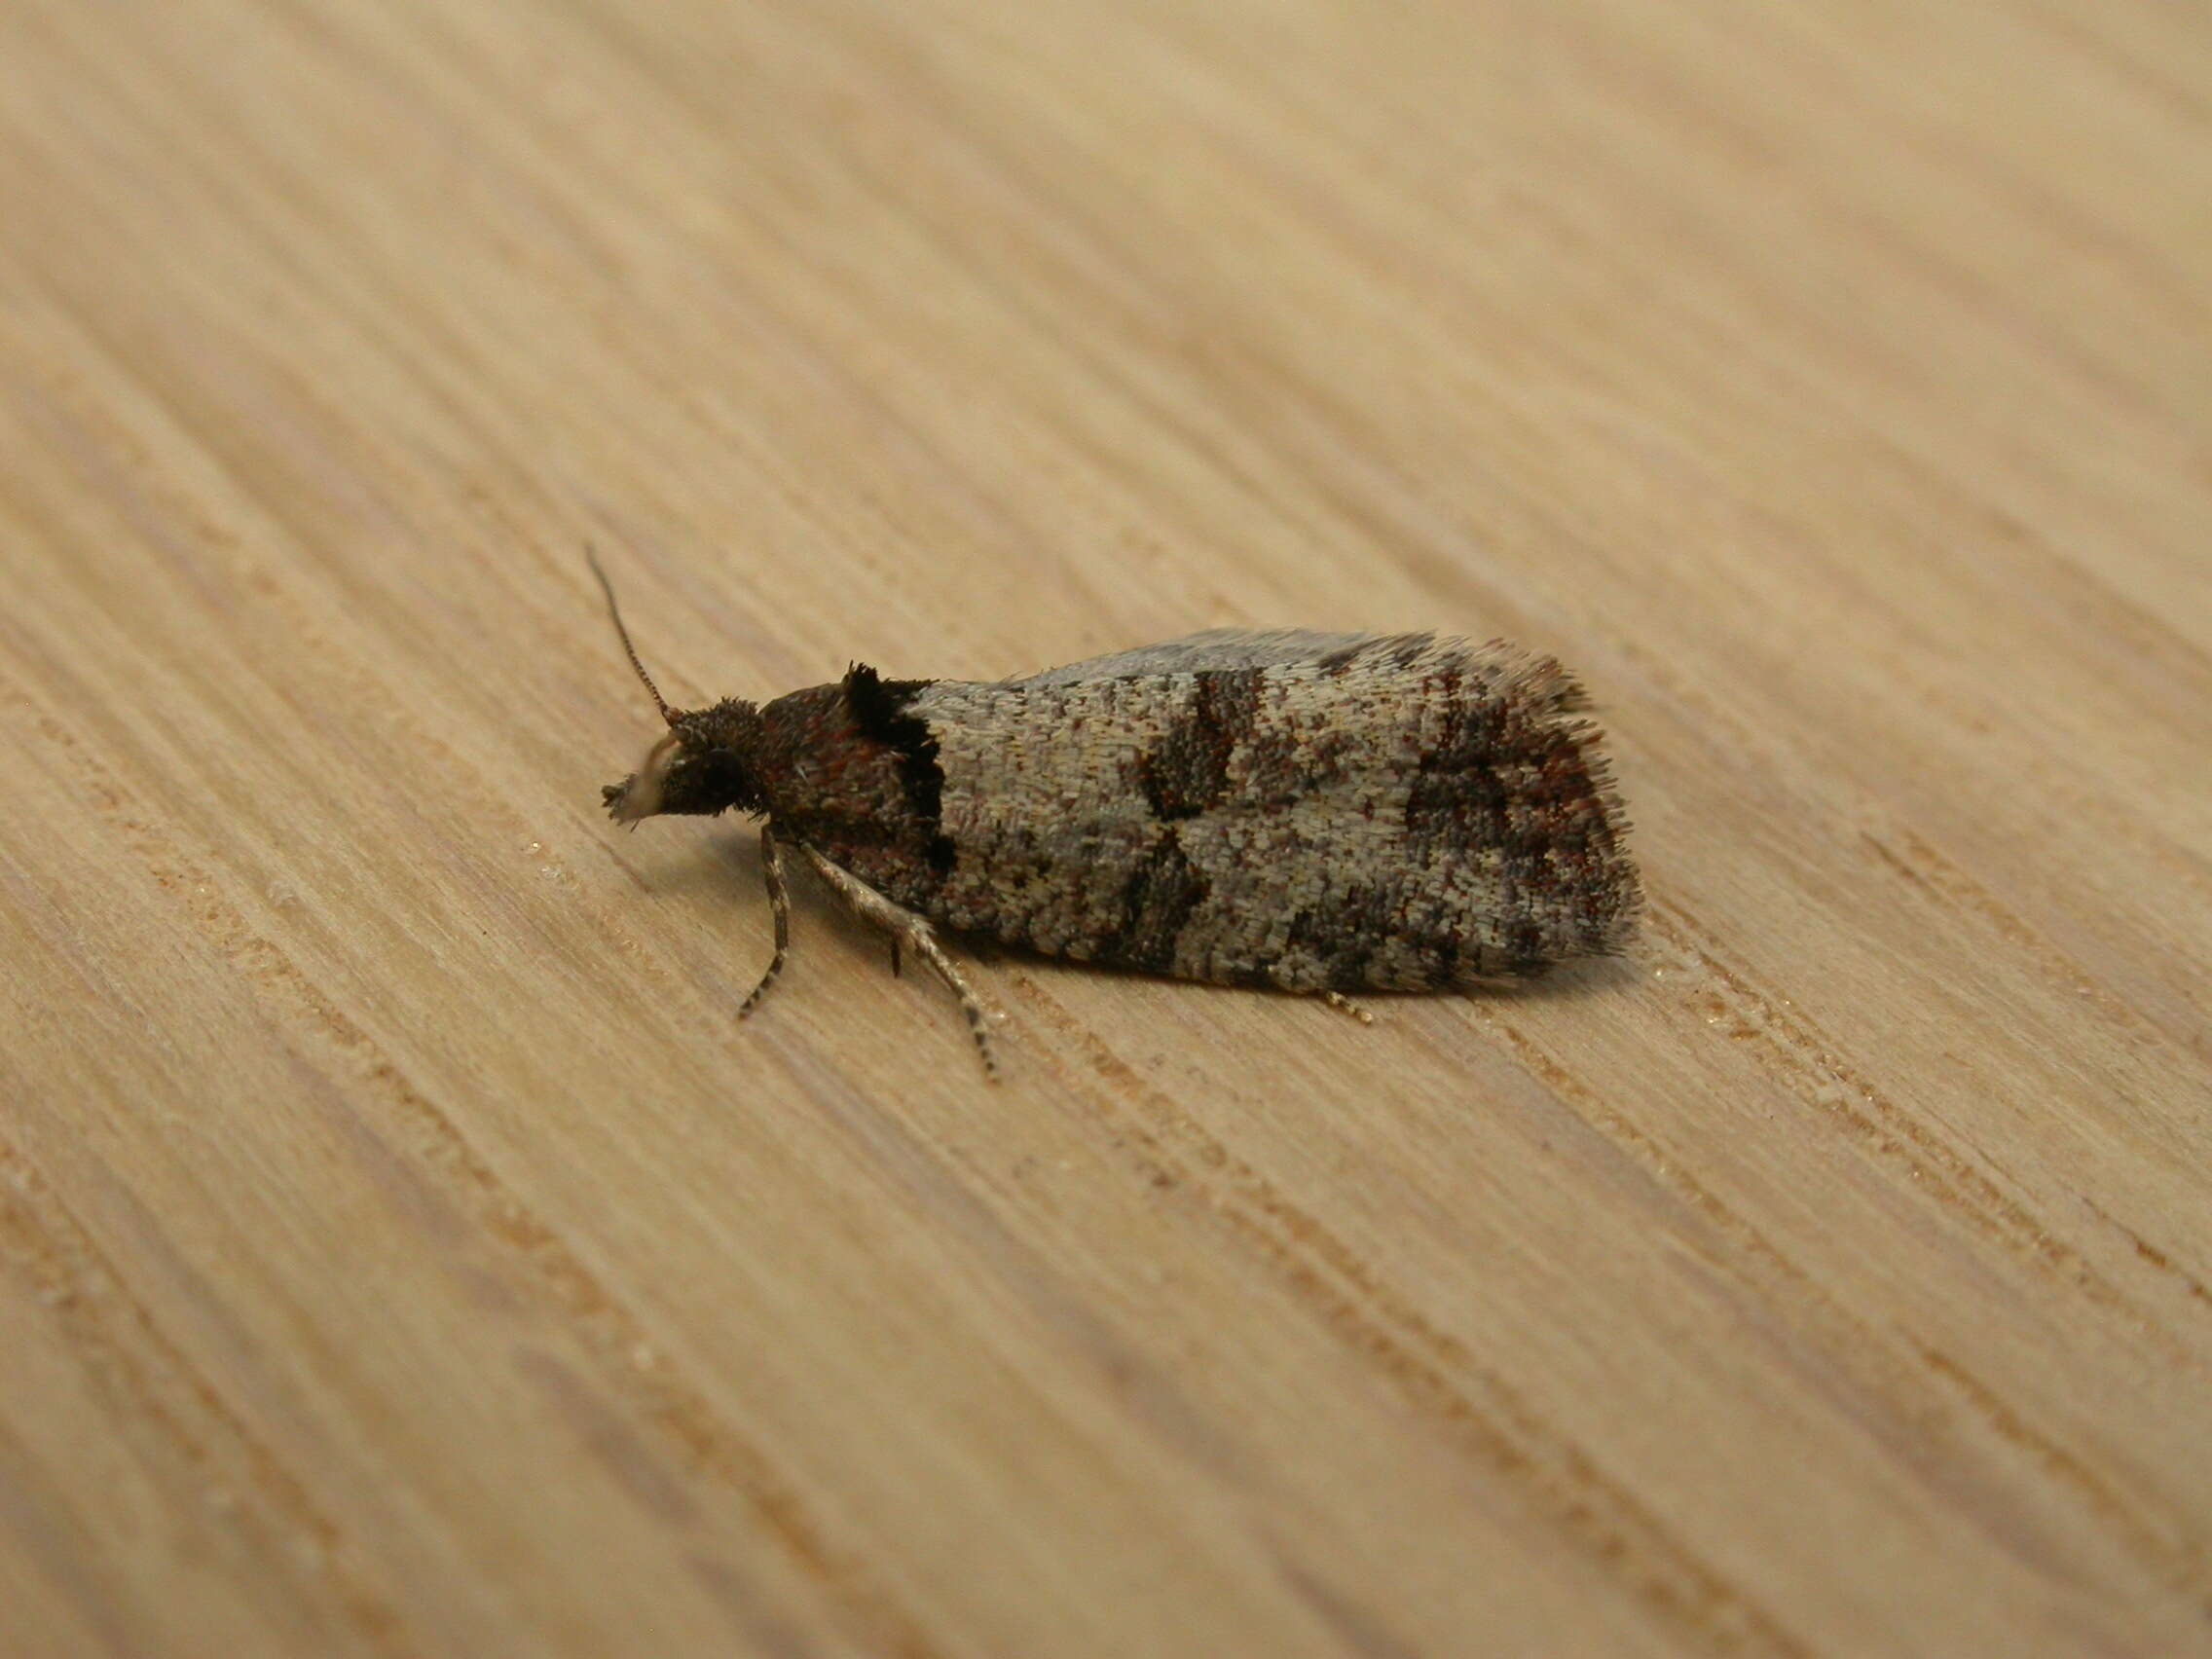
702,763
705,761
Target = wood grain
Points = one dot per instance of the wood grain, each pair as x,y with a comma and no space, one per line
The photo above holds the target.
403,1253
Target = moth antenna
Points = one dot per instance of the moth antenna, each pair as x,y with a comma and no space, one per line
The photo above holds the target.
614,612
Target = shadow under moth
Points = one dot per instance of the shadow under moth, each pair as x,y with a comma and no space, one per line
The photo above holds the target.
1318,813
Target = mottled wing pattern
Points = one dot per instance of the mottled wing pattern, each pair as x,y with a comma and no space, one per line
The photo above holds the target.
1314,811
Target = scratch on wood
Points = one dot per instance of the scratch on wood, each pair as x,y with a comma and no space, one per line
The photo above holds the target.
1924,867
2181,1562
2156,1258
1594,1513
117,1340
1360,1628
1809,1068
1847,1341
607,1330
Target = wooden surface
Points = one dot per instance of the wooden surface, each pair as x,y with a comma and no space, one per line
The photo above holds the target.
402,1252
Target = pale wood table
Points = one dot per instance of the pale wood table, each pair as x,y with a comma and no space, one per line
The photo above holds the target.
402,1252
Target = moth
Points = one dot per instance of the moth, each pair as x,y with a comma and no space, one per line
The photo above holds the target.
1321,813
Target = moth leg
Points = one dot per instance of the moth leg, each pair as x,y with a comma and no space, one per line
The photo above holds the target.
779,907
906,927
1338,1000
896,970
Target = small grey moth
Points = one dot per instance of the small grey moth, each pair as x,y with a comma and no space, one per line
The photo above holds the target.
1319,813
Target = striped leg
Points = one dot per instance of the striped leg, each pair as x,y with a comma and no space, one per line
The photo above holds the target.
906,927
779,907
1345,1005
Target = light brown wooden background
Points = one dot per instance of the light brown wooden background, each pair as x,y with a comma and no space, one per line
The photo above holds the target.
402,1253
